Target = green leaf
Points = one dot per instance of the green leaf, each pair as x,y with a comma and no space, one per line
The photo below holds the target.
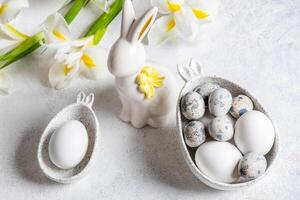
105,19
74,10
98,35
26,44
21,55
31,44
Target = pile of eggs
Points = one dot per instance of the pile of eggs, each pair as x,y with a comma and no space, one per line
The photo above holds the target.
229,137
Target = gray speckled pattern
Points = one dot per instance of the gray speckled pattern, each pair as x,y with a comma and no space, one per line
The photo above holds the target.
192,106
219,102
188,154
206,89
194,133
221,128
252,165
240,105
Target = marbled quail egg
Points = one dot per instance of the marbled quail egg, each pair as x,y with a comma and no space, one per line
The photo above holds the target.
240,105
221,128
206,89
194,133
192,106
219,102
252,165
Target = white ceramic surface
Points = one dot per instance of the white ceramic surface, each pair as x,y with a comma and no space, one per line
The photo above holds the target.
126,59
193,75
81,111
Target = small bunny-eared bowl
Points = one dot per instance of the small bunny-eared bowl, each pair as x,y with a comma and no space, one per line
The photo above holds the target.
189,153
82,112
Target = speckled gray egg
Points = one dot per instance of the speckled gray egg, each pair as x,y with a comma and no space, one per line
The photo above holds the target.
192,106
206,89
219,102
240,105
252,165
221,128
194,133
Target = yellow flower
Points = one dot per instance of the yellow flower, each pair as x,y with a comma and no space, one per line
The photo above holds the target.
149,79
180,19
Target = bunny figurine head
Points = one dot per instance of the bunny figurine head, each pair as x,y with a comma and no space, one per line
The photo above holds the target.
127,55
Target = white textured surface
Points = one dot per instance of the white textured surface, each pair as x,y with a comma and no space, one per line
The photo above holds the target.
253,43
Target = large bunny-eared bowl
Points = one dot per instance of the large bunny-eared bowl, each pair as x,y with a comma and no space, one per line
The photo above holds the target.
82,112
193,75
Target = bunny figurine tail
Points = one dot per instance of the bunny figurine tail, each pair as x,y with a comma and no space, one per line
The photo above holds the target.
147,90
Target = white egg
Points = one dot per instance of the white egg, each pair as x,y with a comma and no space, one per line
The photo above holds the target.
68,144
254,132
218,160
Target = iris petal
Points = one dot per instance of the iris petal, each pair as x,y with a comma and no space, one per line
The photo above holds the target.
5,83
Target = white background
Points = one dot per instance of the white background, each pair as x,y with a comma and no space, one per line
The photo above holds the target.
253,43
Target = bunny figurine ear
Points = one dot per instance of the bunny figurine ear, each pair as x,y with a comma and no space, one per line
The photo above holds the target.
128,17
193,69
142,25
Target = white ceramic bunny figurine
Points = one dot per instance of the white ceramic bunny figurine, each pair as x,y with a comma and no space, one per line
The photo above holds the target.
148,95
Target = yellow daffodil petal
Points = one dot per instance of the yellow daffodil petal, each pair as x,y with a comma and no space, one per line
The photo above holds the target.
88,60
3,8
148,80
200,14
59,35
173,6
67,69
15,32
171,24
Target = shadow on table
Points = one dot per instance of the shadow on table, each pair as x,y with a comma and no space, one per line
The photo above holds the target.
160,148
26,156
162,154
26,160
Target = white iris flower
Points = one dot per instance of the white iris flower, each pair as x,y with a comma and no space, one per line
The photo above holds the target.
73,57
180,18
10,37
9,9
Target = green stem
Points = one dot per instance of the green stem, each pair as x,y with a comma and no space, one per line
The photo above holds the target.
34,42
21,55
105,19
74,10
25,48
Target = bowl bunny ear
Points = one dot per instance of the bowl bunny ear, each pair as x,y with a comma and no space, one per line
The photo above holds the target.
128,17
141,26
